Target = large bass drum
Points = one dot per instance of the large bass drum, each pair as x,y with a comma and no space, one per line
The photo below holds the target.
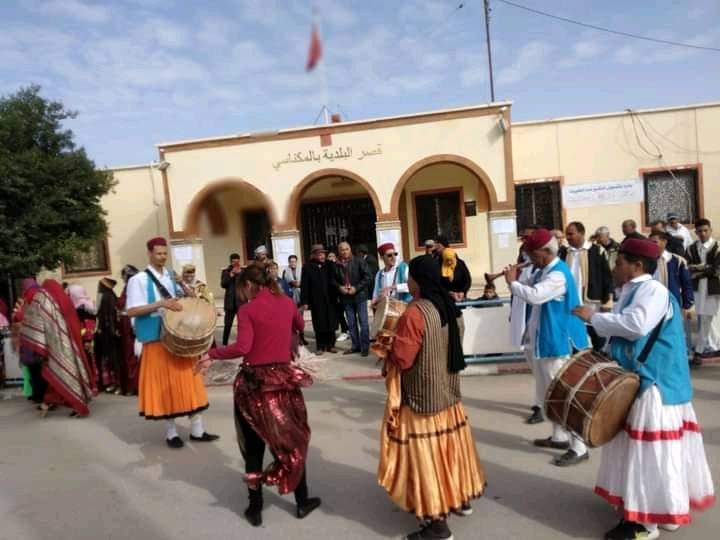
591,396
190,332
385,321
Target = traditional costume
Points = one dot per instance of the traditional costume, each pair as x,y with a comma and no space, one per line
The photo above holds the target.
51,329
552,334
655,470
169,386
428,462
107,347
704,265
317,292
129,361
269,406
394,279
30,361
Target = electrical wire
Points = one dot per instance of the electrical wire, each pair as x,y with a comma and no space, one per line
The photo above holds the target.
609,30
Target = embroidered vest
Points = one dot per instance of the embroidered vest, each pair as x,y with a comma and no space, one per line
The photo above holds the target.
559,331
148,327
666,366
428,387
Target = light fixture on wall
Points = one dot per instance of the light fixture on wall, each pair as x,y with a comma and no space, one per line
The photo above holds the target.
160,165
502,125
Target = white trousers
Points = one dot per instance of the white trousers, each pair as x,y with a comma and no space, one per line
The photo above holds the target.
708,338
545,371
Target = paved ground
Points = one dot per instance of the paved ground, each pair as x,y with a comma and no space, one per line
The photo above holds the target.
111,476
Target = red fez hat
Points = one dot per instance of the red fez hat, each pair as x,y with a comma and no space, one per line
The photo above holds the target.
538,240
384,248
640,247
157,241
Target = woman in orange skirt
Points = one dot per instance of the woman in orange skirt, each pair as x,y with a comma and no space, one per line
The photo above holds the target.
428,462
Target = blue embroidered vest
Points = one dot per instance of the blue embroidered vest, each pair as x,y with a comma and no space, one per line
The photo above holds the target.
560,331
666,366
148,327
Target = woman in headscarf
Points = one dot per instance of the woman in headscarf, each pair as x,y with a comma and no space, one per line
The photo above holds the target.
51,329
31,363
129,360
428,462
107,337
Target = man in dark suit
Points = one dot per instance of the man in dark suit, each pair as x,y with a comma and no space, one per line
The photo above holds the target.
228,282
372,264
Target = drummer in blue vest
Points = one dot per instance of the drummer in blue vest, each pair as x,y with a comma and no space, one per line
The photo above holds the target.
552,333
391,280
655,470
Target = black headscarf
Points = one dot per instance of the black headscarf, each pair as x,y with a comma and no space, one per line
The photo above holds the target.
425,271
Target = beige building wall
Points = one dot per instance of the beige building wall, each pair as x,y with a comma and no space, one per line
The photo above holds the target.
612,147
135,213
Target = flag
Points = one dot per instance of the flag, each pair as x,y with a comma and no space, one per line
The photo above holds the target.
315,52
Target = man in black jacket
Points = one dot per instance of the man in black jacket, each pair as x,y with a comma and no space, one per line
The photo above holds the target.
590,268
228,282
372,264
352,278
674,245
317,293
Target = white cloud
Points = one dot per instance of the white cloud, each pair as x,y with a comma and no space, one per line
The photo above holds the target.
76,9
532,58
167,33
582,52
657,53
249,55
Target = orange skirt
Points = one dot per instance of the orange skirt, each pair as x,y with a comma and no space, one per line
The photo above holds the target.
428,462
168,386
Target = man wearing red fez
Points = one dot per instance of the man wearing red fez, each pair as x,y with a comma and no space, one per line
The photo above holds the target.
169,387
552,333
655,470
391,280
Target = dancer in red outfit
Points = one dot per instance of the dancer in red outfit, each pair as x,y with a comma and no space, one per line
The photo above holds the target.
269,405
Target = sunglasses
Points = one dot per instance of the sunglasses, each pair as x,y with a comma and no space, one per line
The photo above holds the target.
391,255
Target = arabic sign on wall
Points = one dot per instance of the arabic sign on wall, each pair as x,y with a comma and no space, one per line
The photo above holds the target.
603,193
328,155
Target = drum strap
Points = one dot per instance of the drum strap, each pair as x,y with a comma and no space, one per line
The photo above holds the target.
651,341
160,287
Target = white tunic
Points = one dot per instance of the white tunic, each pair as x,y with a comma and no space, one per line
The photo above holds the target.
705,304
137,287
683,233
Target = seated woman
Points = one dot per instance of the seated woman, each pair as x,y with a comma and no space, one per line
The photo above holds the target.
428,462
51,329
269,406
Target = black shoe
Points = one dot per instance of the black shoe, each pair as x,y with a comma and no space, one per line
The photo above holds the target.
464,511
435,530
549,443
351,351
175,442
206,437
570,458
697,361
629,530
536,417
306,508
365,353
253,513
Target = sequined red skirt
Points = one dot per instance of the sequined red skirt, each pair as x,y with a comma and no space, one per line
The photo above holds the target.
269,399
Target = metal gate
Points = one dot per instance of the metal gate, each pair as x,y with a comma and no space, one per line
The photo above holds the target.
330,223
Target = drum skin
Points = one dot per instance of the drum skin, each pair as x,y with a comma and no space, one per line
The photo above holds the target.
592,396
387,315
190,332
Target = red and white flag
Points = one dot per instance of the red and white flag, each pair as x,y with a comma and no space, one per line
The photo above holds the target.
315,52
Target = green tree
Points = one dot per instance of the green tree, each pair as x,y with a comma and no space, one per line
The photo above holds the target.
50,190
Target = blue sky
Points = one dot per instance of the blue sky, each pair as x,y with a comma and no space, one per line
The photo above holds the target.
141,72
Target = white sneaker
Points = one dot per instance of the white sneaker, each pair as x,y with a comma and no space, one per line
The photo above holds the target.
672,527
343,337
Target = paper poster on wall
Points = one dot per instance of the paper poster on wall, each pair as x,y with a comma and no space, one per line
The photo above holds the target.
603,193
283,248
182,254
503,226
390,235
503,241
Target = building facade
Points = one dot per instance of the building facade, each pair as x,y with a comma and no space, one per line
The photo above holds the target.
469,174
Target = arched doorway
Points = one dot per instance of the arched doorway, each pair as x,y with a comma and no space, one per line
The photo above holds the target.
230,216
333,206
449,196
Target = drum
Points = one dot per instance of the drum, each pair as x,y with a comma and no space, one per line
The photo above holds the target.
591,396
387,315
189,332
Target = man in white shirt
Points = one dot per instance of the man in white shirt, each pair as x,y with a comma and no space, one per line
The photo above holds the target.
391,280
169,385
552,332
678,230
704,266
